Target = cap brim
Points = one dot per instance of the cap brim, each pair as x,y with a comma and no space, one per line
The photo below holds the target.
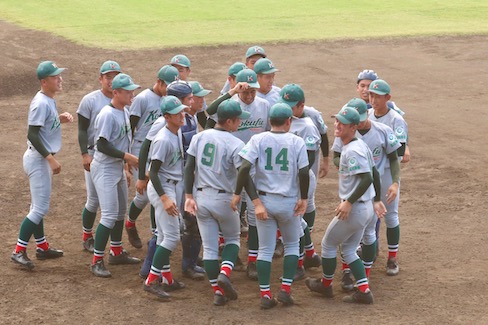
112,70
363,117
202,93
269,71
176,110
377,92
244,115
56,72
262,54
254,85
181,65
131,87
291,104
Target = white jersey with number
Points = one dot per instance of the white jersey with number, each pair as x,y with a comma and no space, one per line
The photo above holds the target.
257,123
217,158
277,158
167,148
395,121
43,113
113,125
90,107
272,96
356,158
380,139
146,106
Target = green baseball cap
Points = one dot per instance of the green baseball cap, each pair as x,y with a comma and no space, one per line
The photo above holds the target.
380,87
168,74
48,69
280,110
264,66
171,105
249,76
253,50
291,94
182,60
124,81
198,90
230,108
348,115
361,106
110,66
235,68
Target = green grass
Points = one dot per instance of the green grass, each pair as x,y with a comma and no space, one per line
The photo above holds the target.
155,24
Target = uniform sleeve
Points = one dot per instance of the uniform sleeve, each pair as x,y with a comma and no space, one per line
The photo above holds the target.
302,158
38,114
155,128
337,145
357,162
250,150
236,159
317,119
401,130
85,108
159,149
312,138
105,126
392,143
137,106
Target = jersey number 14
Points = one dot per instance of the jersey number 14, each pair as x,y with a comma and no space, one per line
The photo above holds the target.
281,159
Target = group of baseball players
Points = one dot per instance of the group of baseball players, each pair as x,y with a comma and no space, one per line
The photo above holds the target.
254,153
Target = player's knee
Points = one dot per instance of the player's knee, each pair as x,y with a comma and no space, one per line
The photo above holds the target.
328,251
170,241
369,238
35,217
108,222
292,248
92,204
392,221
140,201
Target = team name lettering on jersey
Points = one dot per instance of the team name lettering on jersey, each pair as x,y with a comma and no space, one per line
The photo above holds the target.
247,124
56,123
153,116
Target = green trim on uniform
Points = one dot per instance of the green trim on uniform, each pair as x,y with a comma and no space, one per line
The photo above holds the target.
230,252
290,264
26,230
309,217
264,272
134,211
158,258
393,235
211,268
117,230
88,218
39,231
369,252
357,269
101,237
329,265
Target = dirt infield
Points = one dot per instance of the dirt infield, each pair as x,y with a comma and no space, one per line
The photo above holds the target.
440,83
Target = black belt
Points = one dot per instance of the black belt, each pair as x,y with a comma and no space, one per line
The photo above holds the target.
262,193
171,181
219,191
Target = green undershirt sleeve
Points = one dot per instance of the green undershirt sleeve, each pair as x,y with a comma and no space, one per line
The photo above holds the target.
242,176
202,118
133,122
311,158
143,155
401,150
35,140
377,184
366,180
212,109
394,167
153,175
83,124
304,179
324,145
189,174
107,148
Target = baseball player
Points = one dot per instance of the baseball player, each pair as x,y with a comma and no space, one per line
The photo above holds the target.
280,162
253,54
212,154
89,107
144,110
383,144
265,71
108,169
354,213
165,173
379,95
301,125
43,142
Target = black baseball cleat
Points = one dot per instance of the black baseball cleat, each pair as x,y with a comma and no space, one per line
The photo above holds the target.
173,286
316,285
285,298
123,258
190,273
22,259
219,300
251,271
314,261
268,303
239,266
134,238
347,284
360,297
89,244
224,282
49,254
99,269
157,289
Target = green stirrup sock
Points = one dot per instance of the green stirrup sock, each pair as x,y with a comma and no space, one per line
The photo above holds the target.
211,268
393,235
310,219
88,218
134,212
264,272
26,230
101,237
116,233
290,264
230,253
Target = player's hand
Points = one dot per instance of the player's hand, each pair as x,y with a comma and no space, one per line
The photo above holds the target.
131,160
128,175
65,117
379,209
324,167
86,160
141,185
300,207
235,202
191,206
406,155
54,164
260,209
392,193
169,205
239,88
342,211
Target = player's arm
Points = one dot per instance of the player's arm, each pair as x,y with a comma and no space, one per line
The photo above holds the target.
401,151
395,177
311,158
107,148
189,180
212,108
324,147
378,205
134,119
202,119
337,158
168,204
35,140
304,181
244,181
343,210
143,155
83,124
